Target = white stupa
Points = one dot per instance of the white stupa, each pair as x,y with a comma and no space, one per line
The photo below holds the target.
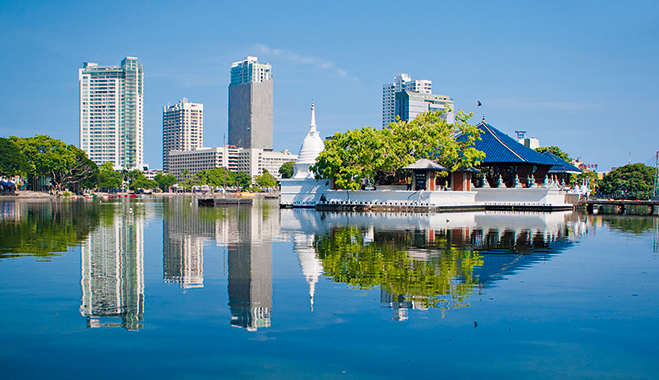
311,148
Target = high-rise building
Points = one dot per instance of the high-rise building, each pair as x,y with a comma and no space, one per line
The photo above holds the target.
250,104
402,82
111,113
182,128
409,105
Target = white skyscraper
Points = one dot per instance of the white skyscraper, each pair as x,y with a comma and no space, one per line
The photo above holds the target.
111,113
402,82
182,128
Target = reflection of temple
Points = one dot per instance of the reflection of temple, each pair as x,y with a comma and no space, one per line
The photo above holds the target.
312,267
112,266
184,235
423,261
249,241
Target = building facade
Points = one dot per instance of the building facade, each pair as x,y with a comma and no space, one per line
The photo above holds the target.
402,82
111,113
251,104
182,128
251,161
409,105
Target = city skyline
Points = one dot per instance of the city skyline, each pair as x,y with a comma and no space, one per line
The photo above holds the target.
557,71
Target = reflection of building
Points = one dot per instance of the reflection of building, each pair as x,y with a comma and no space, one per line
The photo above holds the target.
400,304
184,235
248,232
112,267
250,272
423,261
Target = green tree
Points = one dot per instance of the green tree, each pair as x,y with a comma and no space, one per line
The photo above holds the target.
363,153
165,180
141,182
266,180
287,169
12,160
243,180
108,178
49,158
630,181
554,150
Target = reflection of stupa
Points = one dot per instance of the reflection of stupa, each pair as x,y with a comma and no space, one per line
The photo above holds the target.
112,267
312,268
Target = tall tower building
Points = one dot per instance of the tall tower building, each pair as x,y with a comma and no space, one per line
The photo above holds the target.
111,113
250,104
402,82
182,128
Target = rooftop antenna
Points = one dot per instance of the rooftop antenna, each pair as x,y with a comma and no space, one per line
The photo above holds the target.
520,135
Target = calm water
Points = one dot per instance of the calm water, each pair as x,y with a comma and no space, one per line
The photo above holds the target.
162,289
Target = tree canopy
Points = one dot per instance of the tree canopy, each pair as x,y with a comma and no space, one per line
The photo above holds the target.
554,150
363,153
630,181
287,169
266,180
11,159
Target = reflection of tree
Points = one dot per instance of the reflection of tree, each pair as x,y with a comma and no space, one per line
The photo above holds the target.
629,224
45,228
442,278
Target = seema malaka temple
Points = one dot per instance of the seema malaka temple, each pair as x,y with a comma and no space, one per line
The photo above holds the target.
511,177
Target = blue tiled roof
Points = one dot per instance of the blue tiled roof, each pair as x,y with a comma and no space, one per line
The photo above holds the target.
560,165
501,148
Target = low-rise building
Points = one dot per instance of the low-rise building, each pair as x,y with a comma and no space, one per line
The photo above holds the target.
251,161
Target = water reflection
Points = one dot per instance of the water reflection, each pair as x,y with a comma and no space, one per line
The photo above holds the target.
112,268
422,261
43,228
246,232
184,236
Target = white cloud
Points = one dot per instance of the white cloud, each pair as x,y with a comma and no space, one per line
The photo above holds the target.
320,63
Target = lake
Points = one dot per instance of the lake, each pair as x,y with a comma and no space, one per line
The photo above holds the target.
159,288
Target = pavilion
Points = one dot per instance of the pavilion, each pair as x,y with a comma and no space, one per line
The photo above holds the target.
509,160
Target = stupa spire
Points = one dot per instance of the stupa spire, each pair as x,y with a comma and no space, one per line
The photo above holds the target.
313,116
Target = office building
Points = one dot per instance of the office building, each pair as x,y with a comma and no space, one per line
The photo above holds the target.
409,105
402,82
250,105
111,113
182,128
251,161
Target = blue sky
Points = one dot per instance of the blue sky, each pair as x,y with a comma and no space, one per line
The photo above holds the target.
578,74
